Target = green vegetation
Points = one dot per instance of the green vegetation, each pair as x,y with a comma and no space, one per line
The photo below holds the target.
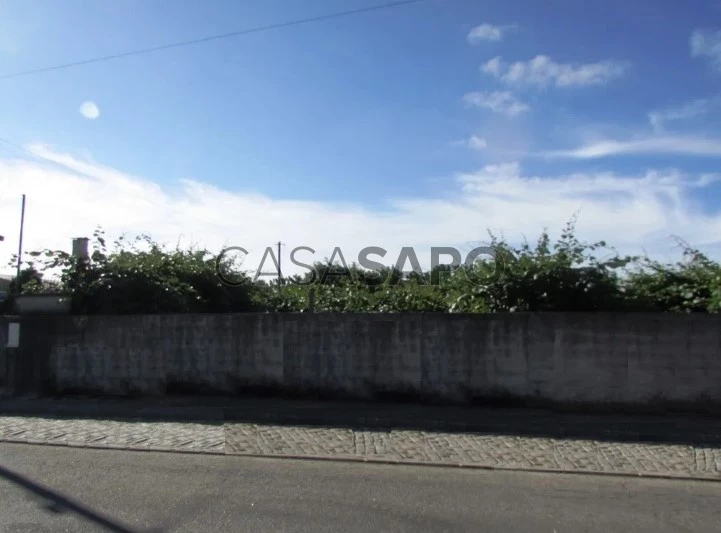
138,276
141,276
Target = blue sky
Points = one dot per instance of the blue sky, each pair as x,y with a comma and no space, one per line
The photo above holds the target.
616,104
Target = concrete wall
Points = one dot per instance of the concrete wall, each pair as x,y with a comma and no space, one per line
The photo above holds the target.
3,353
555,357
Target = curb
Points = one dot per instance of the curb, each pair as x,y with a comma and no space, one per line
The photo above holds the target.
472,466
372,460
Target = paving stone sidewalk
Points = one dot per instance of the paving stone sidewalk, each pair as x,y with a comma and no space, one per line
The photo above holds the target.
402,445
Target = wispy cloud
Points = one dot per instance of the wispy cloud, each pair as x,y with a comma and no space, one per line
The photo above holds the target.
692,109
474,142
489,32
477,143
630,210
89,110
542,71
497,101
707,44
677,145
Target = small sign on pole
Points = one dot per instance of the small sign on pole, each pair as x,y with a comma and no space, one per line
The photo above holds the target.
13,335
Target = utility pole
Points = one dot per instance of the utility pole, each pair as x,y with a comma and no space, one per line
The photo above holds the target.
20,246
280,275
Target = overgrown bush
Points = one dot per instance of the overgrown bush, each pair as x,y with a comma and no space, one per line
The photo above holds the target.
141,276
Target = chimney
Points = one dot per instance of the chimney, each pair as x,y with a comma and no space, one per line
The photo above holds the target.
80,247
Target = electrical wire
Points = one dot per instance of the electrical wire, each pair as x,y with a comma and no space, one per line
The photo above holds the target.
201,40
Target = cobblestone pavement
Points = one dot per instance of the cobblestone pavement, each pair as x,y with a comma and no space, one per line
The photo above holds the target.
208,438
467,449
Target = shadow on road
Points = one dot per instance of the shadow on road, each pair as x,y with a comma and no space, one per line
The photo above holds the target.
57,503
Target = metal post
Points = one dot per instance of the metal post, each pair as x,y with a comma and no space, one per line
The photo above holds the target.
20,246
280,275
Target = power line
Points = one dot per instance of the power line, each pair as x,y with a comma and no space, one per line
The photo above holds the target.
238,33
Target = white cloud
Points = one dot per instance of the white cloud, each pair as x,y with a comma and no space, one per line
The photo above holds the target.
497,101
689,146
707,44
477,143
474,142
493,66
542,71
629,211
89,110
692,109
489,32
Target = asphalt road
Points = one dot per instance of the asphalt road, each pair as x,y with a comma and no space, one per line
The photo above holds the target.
45,488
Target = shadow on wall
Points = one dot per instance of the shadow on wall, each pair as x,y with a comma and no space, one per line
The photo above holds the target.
4,363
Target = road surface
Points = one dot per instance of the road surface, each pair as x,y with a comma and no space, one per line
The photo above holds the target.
55,488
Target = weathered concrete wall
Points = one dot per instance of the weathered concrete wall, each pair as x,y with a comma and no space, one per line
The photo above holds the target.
4,382
557,357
